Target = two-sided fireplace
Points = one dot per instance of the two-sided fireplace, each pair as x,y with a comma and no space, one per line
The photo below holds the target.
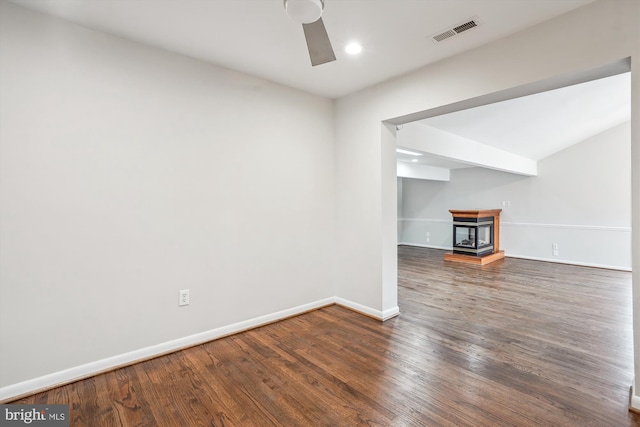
476,236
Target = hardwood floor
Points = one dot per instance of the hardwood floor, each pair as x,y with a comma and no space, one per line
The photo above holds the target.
513,343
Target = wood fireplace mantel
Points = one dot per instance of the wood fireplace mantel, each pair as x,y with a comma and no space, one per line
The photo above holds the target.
495,254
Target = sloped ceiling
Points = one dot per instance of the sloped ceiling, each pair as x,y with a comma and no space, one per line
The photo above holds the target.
539,125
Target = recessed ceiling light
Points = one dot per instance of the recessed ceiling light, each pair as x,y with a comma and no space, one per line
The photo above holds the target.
353,48
414,160
411,153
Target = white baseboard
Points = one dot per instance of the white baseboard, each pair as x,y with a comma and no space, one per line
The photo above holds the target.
93,368
376,314
25,388
390,313
561,261
634,401
532,258
444,248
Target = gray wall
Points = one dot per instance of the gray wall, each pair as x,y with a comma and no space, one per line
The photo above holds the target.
581,200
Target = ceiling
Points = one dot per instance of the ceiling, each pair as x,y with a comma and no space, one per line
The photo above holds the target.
256,36
538,125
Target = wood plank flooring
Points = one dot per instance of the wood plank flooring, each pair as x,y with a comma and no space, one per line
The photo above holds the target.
512,343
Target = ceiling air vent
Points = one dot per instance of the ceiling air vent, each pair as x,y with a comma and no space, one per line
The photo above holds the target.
444,36
465,26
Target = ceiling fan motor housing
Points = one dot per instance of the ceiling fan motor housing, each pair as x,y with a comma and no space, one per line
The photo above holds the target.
304,11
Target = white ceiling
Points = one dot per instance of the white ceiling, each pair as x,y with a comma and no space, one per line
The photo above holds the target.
256,36
570,115
539,125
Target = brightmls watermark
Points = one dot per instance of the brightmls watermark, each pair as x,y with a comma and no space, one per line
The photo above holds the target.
34,415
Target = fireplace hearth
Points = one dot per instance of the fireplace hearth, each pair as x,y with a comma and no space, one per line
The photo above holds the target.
476,236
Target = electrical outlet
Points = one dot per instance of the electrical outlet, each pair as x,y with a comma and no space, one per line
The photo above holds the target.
506,203
428,237
554,249
183,297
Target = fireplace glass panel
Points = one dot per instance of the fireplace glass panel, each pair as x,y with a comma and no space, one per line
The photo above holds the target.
465,237
484,235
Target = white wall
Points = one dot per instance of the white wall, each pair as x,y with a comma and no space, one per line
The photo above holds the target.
601,32
128,173
581,200
594,35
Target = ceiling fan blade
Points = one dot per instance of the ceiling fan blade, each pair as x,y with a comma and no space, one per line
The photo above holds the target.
318,43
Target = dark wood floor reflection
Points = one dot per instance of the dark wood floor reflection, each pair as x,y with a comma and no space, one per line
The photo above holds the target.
514,343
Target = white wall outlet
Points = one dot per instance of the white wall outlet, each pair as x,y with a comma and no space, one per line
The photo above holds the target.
506,203
428,236
554,249
183,297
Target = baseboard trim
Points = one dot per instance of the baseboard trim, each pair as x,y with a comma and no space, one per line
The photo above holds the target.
568,262
634,401
444,248
532,258
368,311
390,313
46,382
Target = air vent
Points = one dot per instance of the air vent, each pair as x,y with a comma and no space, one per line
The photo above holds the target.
465,26
445,35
